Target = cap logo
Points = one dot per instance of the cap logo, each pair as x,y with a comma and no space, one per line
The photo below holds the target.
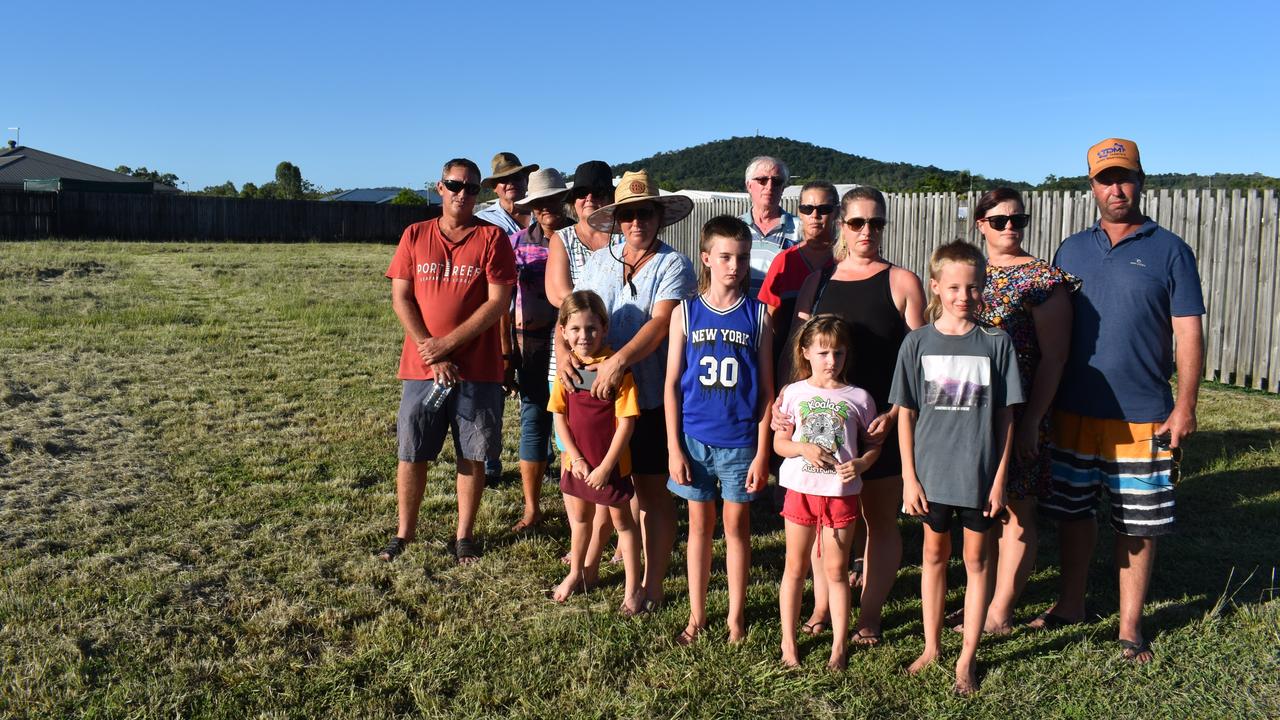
638,187
1105,153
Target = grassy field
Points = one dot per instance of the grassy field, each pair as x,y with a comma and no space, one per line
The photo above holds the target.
196,462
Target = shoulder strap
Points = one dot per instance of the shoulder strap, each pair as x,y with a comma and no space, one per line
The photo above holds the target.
823,279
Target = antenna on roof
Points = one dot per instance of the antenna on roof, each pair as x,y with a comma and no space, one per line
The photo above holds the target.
18,130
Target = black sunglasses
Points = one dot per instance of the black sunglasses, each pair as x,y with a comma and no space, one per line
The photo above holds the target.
823,209
599,193
999,221
631,214
460,186
766,179
856,224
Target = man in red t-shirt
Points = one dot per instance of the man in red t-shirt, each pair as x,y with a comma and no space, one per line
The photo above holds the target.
451,280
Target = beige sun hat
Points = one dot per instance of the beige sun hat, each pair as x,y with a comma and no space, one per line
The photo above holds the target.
505,164
544,183
636,187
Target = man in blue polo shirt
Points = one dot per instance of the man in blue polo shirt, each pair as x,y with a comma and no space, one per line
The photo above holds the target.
772,228
1116,423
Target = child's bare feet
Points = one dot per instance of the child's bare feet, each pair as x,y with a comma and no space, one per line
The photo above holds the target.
966,679
790,656
839,659
632,605
737,634
571,584
528,522
925,660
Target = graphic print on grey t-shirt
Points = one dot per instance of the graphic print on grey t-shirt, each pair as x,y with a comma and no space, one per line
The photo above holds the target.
956,382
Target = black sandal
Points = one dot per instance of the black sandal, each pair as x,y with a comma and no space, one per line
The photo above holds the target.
392,550
466,550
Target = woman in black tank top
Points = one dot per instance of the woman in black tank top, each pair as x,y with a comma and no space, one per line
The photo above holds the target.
882,303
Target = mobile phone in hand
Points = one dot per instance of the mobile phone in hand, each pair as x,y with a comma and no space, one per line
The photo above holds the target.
588,376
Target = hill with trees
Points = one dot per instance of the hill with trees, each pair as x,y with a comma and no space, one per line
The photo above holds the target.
719,165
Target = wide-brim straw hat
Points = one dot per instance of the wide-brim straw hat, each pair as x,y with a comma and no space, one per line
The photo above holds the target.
545,183
504,165
636,187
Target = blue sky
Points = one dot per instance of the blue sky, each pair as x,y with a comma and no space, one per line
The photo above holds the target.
382,93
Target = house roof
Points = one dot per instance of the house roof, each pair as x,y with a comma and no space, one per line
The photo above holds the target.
380,195
25,163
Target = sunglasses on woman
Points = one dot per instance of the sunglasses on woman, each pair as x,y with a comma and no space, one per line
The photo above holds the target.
999,221
599,193
632,214
824,209
856,223
454,186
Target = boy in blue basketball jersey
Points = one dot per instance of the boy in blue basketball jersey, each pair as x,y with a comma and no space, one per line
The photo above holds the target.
719,386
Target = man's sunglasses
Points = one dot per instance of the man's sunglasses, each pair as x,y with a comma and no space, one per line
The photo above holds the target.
600,193
454,186
856,223
766,179
999,221
632,214
824,209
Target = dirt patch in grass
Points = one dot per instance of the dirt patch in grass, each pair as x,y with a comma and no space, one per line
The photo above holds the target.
49,273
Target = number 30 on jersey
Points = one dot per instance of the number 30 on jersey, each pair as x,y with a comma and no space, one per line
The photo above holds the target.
719,371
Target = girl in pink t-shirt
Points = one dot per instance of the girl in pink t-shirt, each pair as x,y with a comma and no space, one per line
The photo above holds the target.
822,473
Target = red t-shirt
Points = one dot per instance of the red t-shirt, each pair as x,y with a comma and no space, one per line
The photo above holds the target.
450,283
787,273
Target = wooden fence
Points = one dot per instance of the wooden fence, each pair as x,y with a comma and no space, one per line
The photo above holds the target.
1234,235
163,218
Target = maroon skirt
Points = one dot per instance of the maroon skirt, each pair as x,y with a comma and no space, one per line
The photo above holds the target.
592,423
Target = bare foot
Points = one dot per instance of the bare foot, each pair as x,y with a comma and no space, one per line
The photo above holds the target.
790,657
966,679
632,605
737,635
925,660
528,522
991,628
1051,620
571,584
839,659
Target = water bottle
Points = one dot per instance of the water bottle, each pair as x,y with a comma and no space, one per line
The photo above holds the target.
436,396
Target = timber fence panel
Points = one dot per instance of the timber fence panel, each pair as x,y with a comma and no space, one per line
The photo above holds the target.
1247,329
1271,245
162,218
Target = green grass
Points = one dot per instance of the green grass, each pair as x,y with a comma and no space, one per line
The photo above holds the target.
196,462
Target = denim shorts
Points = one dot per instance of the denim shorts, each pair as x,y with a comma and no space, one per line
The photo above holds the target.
535,419
707,465
473,412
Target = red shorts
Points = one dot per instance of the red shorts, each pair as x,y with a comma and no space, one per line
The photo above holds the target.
811,510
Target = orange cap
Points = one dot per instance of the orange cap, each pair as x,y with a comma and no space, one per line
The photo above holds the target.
1114,152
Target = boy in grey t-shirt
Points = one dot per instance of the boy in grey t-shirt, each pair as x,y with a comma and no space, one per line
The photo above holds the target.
957,384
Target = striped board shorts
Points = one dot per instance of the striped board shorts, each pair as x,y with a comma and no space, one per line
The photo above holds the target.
1088,453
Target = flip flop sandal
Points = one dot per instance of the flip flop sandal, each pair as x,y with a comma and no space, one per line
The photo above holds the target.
867,639
1130,651
1049,622
393,549
814,629
466,551
686,638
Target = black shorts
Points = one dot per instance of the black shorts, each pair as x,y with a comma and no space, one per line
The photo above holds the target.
889,464
940,515
649,443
